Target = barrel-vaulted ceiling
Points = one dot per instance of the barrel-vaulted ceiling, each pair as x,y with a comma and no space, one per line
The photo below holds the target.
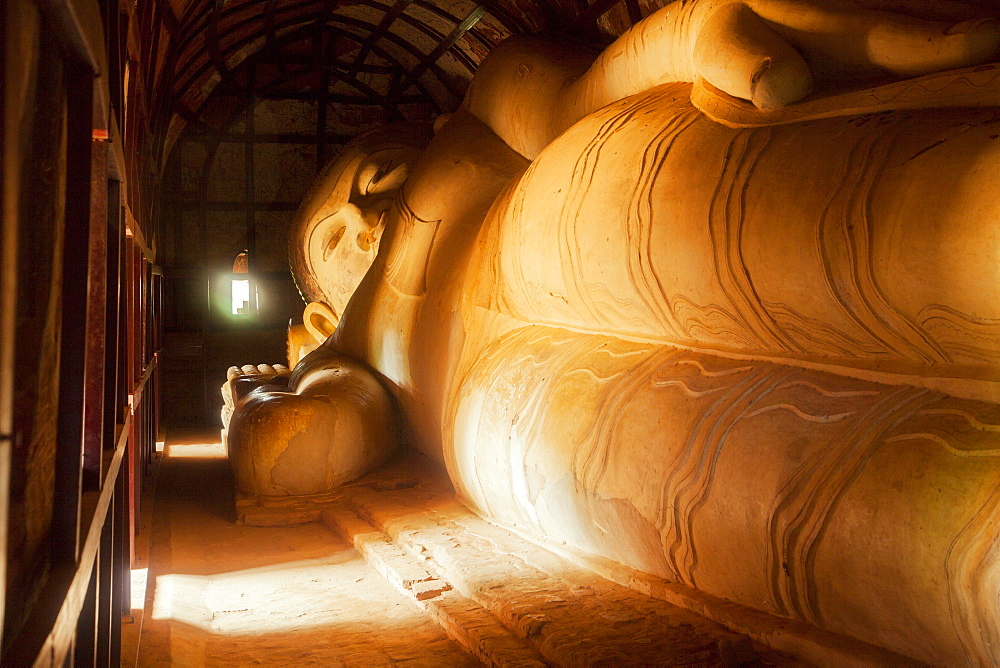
384,51
387,54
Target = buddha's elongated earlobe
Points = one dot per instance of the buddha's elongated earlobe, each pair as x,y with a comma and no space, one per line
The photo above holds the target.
320,320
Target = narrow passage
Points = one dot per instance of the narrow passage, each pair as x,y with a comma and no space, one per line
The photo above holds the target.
223,594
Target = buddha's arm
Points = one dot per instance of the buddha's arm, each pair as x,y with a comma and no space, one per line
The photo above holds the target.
530,89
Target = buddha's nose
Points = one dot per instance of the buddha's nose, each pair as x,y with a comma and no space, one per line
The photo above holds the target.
374,210
372,222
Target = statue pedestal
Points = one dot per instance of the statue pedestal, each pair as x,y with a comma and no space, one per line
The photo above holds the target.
279,511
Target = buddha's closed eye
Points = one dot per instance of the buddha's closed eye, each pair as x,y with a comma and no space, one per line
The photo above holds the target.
371,176
384,177
382,170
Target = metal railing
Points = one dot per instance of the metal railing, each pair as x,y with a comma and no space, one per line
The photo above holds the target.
86,628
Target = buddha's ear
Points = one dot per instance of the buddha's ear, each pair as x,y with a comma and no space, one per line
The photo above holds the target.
320,320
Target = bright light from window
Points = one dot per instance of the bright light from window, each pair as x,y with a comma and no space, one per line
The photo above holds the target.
138,588
241,296
196,450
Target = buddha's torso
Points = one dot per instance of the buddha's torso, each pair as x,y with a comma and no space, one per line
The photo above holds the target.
862,241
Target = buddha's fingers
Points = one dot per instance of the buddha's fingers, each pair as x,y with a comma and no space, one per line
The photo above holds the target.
952,11
910,47
838,38
738,53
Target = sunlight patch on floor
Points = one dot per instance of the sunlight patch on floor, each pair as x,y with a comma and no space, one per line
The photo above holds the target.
332,591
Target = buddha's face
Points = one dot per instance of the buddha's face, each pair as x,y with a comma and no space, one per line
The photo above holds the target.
344,232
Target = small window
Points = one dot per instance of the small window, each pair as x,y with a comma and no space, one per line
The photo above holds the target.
241,263
241,296
241,291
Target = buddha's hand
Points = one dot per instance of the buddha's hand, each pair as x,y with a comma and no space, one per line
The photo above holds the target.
770,51
332,423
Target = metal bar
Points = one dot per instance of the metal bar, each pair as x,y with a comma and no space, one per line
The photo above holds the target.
120,584
73,340
321,104
107,615
112,360
634,11
112,545
388,18
158,347
212,37
251,195
59,640
85,650
124,385
427,63
131,259
206,268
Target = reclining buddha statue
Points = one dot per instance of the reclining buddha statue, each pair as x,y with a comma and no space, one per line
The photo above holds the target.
720,303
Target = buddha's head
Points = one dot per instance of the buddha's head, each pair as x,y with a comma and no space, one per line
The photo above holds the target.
336,232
